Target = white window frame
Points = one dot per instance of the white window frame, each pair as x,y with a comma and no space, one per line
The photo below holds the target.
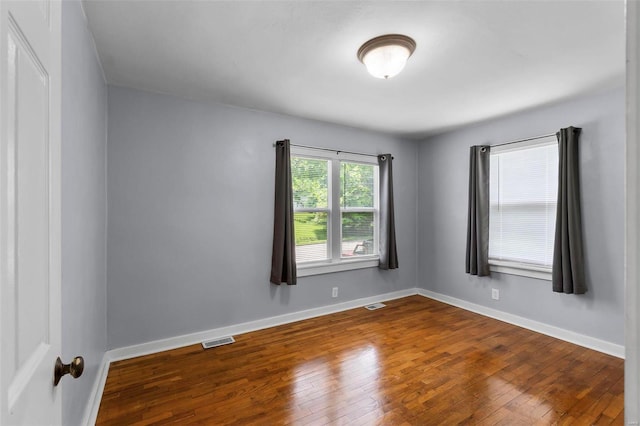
335,261
521,268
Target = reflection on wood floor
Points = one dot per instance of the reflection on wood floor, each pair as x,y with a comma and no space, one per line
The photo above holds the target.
414,362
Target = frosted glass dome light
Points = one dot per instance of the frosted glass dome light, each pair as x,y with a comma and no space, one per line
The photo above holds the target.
386,56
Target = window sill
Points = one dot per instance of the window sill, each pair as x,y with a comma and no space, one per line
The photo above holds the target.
521,269
305,270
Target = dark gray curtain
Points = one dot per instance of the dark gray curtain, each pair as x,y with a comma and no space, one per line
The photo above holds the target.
477,259
283,255
388,251
568,260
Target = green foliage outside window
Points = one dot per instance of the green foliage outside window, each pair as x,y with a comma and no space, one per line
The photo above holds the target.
310,179
356,185
356,190
310,228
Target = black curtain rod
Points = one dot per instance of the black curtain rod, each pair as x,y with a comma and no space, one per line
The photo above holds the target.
524,140
337,151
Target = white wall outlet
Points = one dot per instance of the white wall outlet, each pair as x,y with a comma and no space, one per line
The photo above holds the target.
334,292
495,294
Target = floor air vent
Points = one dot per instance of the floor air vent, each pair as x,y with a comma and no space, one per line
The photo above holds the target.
375,306
218,342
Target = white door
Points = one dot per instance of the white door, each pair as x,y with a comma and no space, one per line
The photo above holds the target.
632,262
30,55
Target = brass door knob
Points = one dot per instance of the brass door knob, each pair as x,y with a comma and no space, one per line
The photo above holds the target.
75,368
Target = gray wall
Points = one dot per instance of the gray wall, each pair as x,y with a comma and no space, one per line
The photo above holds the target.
84,208
191,210
443,174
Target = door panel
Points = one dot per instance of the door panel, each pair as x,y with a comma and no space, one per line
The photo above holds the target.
32,205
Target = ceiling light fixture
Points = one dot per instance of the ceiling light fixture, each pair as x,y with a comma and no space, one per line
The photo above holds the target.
386,55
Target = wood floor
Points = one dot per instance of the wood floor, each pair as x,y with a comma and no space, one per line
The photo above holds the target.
414,362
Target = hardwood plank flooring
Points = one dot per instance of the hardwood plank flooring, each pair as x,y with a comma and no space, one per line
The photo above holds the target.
415,362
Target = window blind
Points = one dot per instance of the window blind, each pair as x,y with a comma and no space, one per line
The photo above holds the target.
523,197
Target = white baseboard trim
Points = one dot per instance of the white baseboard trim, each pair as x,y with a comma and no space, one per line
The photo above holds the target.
550,330
193,338
91,412
93,405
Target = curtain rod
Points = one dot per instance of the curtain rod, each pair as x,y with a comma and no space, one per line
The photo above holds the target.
337,151
524,140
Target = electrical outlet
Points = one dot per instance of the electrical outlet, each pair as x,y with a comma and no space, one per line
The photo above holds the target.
495,294
334,292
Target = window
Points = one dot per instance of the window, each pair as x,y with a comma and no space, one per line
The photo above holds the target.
523,196
335,200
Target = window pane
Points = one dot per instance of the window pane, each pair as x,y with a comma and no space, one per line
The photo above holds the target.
356,185
357,234
311,236
523,194
310,178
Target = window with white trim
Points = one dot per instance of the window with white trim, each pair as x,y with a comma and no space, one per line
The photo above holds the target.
335,201
522,212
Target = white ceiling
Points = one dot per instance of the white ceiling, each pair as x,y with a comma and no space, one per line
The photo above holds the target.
474,59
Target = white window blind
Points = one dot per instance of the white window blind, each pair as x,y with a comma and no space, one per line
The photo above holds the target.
523,197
